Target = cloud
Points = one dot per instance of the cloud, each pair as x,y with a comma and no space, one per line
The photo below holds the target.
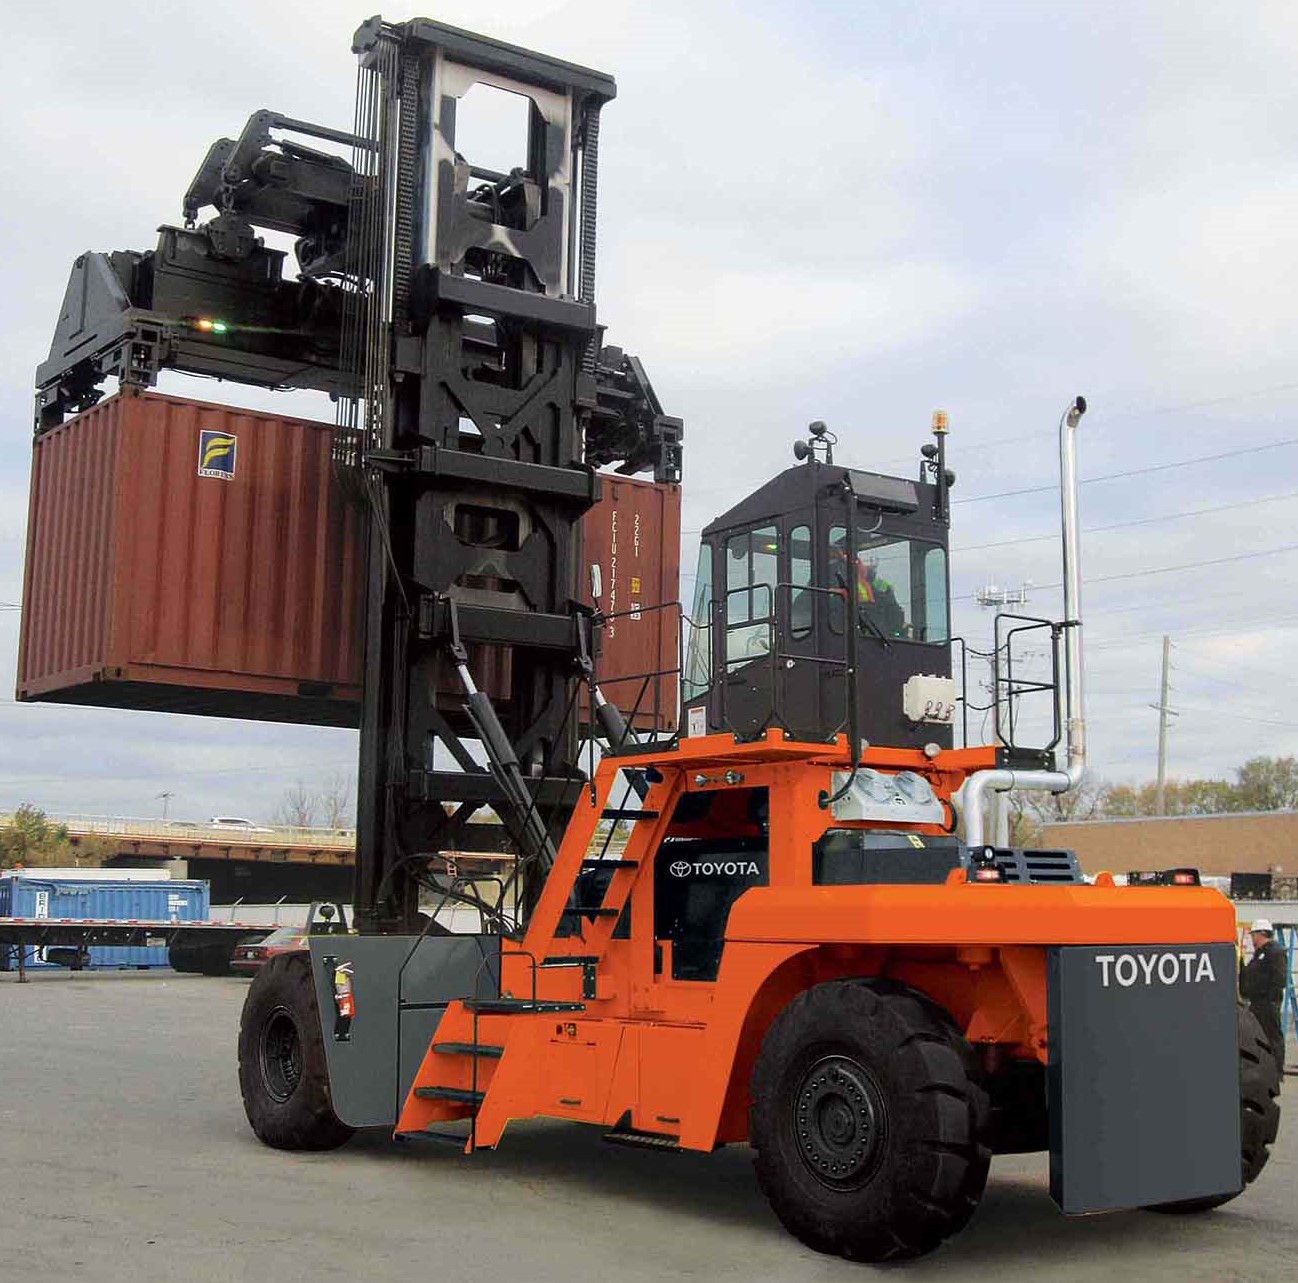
853,213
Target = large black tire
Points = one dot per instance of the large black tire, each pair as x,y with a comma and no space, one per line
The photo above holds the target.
184,958
215,959
1259,1113
204,959
283,1075
868,1121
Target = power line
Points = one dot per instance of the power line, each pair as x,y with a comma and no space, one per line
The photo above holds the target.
1166,570
1133,472
1231,630
1126,525
1239,717
1108,416
1286,678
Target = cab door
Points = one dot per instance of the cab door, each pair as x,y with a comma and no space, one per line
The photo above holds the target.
801,668
745,634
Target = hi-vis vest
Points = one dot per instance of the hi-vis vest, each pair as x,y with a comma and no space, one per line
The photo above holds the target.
867,590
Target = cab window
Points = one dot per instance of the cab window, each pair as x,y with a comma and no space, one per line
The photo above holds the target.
899,585
752,568
697,676
802,603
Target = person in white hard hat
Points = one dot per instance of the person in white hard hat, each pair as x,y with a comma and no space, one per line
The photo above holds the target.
1262,984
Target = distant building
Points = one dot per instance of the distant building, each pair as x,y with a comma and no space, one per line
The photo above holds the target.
1247,842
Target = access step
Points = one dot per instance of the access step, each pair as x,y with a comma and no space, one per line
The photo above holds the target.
597,863
483,1050
520,1006
644,1140
592,911
460,1095
443,1138
626,813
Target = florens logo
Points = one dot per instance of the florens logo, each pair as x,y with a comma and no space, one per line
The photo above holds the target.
716,868
216,454
1127,969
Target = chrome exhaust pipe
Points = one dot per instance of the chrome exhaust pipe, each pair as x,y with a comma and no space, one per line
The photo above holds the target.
980,784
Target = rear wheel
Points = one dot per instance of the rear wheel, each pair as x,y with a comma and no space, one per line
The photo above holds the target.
1259,1113
215,959
184,959
283,1075
868,1122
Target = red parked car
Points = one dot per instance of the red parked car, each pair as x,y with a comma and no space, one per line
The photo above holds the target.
322,920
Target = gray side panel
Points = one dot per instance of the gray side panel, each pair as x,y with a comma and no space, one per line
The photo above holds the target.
1143,1075
401,986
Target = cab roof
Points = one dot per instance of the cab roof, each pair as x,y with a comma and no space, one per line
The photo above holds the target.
801,485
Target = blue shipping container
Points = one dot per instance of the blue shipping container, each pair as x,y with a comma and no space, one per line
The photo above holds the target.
28,895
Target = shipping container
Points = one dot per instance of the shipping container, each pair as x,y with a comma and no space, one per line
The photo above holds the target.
634,536
28,894
193,558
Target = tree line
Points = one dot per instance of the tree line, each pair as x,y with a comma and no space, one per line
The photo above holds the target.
332,805
31,840
1260,784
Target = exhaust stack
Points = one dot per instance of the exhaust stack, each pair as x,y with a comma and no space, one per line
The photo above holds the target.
1000,781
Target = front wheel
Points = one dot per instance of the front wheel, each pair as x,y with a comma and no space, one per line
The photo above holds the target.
868,1122
1259,1113
283,1074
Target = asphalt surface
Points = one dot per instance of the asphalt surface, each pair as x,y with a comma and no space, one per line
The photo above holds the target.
124,1154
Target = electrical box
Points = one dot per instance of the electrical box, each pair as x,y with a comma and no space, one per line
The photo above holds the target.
925,698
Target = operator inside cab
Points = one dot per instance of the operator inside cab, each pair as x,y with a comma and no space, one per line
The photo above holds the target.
877,609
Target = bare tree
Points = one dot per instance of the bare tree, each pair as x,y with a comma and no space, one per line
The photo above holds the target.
297,808
337,800
1031,811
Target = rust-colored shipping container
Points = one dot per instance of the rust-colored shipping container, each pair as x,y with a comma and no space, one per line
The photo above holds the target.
634,535
191,558
194,558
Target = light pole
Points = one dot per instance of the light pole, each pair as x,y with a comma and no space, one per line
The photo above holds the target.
166,798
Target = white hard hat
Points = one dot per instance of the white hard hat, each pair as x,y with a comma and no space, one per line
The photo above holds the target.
1262,924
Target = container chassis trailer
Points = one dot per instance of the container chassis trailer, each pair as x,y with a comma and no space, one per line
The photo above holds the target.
192,946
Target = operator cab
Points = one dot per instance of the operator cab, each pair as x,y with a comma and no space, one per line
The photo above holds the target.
824,584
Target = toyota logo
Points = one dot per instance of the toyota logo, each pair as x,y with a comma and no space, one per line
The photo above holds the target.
679,868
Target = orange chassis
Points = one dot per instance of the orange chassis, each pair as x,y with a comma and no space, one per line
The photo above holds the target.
673,1057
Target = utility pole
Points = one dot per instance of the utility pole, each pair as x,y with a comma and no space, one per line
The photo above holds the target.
1160,789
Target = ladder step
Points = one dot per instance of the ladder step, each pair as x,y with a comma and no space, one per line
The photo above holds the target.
570,960
592,911
523,1006
644,1140
444,1138
460,1095
481,1049
610,864
622,813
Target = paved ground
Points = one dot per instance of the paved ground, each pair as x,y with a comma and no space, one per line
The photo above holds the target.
124,1153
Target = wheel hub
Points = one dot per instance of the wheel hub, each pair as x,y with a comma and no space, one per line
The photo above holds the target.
839,1121
281,1054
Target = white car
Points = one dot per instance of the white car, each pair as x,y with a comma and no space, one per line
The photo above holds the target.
236,822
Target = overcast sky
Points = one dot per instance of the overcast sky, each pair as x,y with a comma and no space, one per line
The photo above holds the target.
856,212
